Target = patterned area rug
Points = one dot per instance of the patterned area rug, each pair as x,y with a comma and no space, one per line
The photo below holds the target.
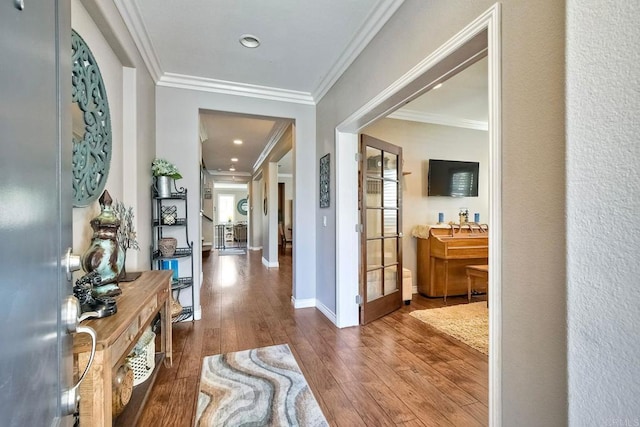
259,387
468,323
232,251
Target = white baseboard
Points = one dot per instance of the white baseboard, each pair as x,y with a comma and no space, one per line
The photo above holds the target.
414,289
255,248
303,303
328,313
268,264
197,314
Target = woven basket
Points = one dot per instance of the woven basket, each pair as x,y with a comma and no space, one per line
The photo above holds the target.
176,307
142,357
167,246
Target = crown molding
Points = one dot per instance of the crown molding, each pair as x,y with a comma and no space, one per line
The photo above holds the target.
133,20
276,134
285,175
372,24
438,119
183,81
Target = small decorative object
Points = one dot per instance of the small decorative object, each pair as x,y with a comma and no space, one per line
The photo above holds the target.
122,388
325,181
171,264
91,125
142,357
476,217
164,173
169,214
464,215
242,207
103,306
105,254
126,238
440,217
167,246
176,307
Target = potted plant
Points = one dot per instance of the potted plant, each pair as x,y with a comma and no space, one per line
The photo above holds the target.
164,173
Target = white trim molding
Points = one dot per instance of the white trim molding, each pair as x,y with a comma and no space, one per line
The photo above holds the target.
268,264
276,133
438,119
303,303
374,22
133,20
326,311
204,84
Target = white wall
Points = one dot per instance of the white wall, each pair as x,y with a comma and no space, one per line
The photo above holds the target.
177,138
533,259
603,203
421,142
131,96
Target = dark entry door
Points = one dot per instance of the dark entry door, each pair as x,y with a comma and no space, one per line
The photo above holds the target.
35,209
381,239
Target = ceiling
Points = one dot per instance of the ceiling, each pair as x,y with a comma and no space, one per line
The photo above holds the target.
305,46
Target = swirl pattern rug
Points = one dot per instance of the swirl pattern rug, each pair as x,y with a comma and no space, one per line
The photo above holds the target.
258,387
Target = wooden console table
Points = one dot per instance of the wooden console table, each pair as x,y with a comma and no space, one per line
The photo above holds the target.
138,304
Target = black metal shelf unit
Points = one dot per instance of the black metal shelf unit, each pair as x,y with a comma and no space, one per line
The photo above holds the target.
165,222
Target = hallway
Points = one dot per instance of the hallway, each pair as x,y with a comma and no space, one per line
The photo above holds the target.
394,371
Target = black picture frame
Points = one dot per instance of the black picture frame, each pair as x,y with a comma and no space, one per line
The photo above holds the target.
325,181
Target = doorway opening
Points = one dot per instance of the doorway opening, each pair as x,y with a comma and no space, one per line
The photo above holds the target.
479,39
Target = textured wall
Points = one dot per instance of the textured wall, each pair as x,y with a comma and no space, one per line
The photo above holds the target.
533,184
603,193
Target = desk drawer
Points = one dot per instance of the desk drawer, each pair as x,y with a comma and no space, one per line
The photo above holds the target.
125,340
147,311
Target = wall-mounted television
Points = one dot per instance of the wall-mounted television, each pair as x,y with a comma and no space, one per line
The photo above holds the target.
453,178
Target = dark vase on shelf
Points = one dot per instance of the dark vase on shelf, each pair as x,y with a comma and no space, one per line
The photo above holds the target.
105,254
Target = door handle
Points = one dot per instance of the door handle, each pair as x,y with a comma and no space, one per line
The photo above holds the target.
70,319
72,263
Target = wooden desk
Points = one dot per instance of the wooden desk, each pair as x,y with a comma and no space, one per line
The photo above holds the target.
442,259
476,272
138,304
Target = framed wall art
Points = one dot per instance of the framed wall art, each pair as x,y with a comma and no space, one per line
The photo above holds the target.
325,169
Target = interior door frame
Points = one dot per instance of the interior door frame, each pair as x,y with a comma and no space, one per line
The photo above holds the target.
418,80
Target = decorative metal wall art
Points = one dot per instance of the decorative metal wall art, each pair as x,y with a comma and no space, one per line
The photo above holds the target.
91,125
325,177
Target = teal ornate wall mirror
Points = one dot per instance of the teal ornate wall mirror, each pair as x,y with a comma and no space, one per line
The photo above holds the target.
91,125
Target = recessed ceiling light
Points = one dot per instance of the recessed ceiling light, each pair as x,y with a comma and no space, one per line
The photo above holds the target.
250,41
234,159
438,86
232,169
237,141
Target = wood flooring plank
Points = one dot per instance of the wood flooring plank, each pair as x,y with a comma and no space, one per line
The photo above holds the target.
395,371
369,409
157,403
181,406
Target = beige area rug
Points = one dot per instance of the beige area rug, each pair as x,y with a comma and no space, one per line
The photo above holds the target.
259,387
468,323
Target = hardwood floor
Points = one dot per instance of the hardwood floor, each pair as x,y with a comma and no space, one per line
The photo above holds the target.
395,371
